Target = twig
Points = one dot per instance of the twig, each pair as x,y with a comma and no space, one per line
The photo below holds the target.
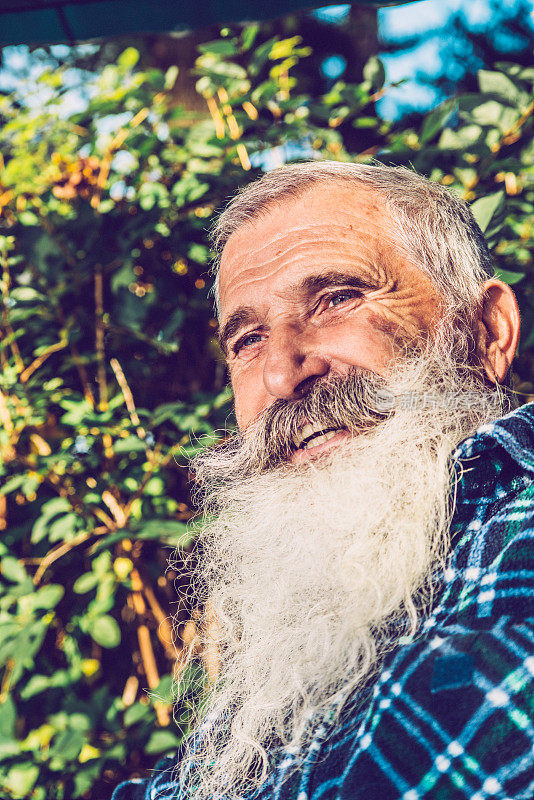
58,552
520,122
41,359
12,340
82,372
105,518
130,690
128,397
164,629
215,115
243,156
151,672
146,649
3,512
6,680
5,314
99,340
5,416
118,513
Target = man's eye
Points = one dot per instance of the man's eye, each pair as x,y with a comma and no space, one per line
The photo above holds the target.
247,341
337,298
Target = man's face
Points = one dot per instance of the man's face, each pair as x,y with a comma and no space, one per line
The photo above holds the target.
312,288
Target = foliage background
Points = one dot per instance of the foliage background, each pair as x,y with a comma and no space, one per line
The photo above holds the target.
111,375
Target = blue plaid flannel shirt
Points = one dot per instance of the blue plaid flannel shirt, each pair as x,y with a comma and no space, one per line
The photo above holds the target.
450,715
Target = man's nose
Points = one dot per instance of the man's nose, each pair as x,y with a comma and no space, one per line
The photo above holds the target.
292,364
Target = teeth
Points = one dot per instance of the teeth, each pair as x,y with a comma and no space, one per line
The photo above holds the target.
320,439
308,430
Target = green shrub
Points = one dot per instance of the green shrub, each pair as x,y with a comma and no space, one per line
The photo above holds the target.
112,376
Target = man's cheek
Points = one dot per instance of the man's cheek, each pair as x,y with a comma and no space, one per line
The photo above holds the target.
365,343
245,400
391,333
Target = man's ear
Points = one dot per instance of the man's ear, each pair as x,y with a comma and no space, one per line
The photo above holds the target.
499,325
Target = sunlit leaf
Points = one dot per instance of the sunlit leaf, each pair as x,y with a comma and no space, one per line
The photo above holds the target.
106,632
485,209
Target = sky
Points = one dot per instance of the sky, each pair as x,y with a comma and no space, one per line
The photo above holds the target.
425,20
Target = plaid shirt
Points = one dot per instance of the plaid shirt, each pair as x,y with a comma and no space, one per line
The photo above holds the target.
450,715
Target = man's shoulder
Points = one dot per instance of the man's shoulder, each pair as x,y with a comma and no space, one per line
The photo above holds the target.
512,433
490,573
160,784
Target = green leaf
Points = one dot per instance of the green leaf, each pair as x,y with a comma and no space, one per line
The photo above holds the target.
12,484
21,779
106,632
375,73
199,253
220,47
508,277
48,596
85,583
284,48
166,530
170,77
136,713
8,714
188,189
131,444
155,487
486,208
491,82
85,777
164,690
28,218
151,194
248,36
365,122
49,510
496,113
436,120
67,745
128,58
102,565
12,570
25,294
42,683
465,137
162,742
77,410
64,528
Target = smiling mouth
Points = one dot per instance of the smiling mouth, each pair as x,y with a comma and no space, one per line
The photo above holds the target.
309,436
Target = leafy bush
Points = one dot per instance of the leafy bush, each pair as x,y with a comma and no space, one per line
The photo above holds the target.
112,376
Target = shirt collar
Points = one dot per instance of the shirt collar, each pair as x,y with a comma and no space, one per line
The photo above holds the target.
513,432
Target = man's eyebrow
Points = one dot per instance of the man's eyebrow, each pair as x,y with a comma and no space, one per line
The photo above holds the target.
243,315
315,283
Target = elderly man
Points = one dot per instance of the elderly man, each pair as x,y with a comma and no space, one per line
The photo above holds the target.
367,548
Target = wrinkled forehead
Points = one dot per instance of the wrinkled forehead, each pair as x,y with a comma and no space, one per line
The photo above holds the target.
326,216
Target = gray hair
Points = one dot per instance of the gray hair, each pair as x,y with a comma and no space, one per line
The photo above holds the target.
433,226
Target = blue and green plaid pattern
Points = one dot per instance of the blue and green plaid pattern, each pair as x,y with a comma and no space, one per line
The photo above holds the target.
450,716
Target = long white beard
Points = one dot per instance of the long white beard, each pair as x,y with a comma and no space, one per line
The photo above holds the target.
306,569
